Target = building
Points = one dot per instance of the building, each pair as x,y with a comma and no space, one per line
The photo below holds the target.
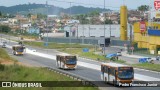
149,38
94,30
33,30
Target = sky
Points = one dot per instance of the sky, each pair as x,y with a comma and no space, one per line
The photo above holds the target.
111,4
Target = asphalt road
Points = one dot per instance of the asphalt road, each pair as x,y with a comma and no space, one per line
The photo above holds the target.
54,52
91,74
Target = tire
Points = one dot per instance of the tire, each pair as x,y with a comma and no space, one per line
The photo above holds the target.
105,80
114,83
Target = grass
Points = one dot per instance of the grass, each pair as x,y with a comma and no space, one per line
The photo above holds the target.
16,72
22,73
56,45
73,49
148,66
90,54
27,36
4,56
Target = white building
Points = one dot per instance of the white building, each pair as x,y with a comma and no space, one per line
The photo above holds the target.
95,30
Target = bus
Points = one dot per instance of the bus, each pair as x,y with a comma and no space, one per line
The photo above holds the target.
117,74
18,49
66,61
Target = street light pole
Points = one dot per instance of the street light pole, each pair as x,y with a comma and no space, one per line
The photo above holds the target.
47,25
104,28
1,33
70,25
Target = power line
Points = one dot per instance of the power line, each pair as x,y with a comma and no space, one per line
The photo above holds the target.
83,3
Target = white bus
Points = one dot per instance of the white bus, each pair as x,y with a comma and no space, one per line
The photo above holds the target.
66,61
117,74
18,49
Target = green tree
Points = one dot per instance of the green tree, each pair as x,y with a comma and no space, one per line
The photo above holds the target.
29,15
82,18
41,16
94,13
107,21
143,8
0,14
5,29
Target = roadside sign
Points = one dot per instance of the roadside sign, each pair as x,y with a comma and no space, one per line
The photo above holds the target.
132,48
157,14
157,4
125,45
46,44
85,50
142,26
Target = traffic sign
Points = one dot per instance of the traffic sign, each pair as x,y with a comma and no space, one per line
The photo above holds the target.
85,50
157,4
46,44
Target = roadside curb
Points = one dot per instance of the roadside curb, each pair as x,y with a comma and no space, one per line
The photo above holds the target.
119,63
84,80
147,70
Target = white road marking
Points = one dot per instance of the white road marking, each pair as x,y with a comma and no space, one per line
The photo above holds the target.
88,65
93,66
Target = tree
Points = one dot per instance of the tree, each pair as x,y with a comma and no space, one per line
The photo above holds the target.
94,14
82,18
29,15
5,29
0,13
107,21
41,16
143,8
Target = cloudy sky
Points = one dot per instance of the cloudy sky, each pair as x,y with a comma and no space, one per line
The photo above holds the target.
112,4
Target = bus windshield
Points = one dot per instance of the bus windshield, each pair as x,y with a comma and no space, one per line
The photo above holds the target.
125,73
20,49
71,60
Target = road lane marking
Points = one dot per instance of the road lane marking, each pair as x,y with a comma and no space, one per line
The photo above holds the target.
88,65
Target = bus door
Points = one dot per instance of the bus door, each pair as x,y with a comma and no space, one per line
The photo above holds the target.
109,70
115,74
57,59
102,72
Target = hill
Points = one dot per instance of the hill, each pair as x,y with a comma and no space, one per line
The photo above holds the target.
42,8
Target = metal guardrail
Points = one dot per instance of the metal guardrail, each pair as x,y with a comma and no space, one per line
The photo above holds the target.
85,81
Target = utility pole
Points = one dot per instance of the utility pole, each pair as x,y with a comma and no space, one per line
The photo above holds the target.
70,25
110,30
1,33
104,27
47,25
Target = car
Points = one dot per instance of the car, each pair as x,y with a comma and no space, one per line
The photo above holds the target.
4,46
112,56
146,60
33,50
119,54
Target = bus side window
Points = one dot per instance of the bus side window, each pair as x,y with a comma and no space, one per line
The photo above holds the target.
109,71
106,69
112,71
102,68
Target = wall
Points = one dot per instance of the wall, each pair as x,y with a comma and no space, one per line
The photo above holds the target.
150,38
95,30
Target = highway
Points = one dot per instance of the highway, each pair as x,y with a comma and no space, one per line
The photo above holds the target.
84,71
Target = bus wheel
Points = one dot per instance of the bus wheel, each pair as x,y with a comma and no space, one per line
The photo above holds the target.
114,83
106,80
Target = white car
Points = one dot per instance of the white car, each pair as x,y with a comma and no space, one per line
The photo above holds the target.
33,50
119,54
